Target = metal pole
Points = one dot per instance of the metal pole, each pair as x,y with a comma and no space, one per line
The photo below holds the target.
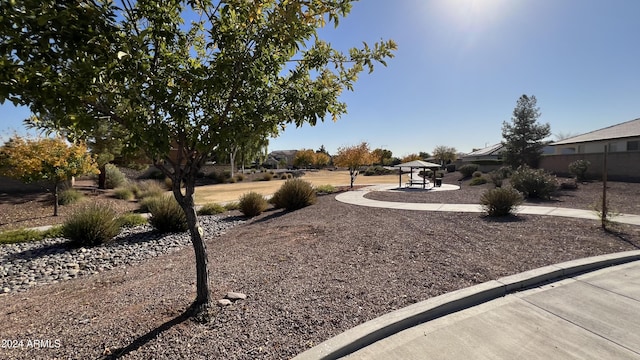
604,189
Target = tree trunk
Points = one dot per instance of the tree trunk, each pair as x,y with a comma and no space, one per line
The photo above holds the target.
353,174
202,302
102,177
55,199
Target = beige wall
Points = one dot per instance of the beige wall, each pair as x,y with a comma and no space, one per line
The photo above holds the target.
622,166
615,145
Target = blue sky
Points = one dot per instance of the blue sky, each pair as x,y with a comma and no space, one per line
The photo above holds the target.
461,66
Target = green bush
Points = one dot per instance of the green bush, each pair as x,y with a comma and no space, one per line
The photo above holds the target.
124,193
451,168
377,170
131,220
477,174
114,177
92,225
326,189
478,181
69,196
468,170
267,176
534,183
579,169
294,194
166,214
24,235
156,174
500,201
426,173
211,209
252,204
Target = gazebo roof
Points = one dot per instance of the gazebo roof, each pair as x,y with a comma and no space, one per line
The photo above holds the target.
417,164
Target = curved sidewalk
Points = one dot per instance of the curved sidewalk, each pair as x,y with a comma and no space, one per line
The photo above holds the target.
585,313
356,197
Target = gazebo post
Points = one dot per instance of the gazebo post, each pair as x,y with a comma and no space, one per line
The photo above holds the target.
399,178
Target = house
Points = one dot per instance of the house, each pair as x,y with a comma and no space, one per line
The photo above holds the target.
488,158
623,159
620,138
280,159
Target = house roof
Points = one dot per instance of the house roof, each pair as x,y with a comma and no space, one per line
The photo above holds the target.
417,164
624,130
488,151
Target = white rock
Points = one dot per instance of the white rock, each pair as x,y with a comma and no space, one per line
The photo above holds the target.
231,295
224,302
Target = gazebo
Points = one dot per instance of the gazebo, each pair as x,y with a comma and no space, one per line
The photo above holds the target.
416,164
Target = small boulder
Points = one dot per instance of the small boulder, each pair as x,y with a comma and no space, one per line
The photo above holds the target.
224,302
234,296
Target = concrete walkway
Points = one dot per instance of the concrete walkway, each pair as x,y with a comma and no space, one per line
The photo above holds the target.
582,309
356,197
582,315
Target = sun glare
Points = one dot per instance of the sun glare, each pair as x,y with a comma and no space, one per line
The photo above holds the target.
472,15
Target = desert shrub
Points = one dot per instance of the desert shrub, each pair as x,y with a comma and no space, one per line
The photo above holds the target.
24,235
294,194
92,225
377,170
167,215
211,209
476,174
496,178
451,168
439,174
326,189
568,184
114,177
232,180
579,169
478,181
240,177
252,204
533,183
505,171
232,206
69,196
284,176
124,193
500,201
149,188
468,170
131,220
267,176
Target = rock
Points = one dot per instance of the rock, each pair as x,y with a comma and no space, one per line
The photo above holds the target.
224,302
6,290
233,296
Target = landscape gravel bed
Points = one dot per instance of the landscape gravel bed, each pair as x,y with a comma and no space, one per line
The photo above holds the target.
308,275
23,265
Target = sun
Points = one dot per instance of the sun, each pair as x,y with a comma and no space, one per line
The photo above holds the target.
472,15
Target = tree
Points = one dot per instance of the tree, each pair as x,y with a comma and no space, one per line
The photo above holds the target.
181,89
321,160
382,156
304,158
411,157
445,154
424,155
353,157
523,137
49,160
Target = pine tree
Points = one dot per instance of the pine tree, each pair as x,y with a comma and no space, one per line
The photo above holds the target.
523,137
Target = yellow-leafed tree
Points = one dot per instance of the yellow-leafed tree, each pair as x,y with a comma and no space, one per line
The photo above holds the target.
50,160
353,157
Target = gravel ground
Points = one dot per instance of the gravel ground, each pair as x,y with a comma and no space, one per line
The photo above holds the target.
309,275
